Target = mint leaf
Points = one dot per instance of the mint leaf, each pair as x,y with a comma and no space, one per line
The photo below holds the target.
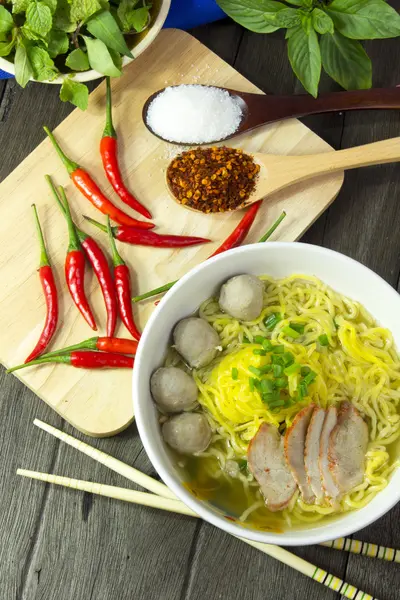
100,58
295,2
43,67
6,20
364,19
20,6
58,43
28,34
83,9
104,27
78,60
38,18
287,17
52,4
62,17
346,62
305,57
251,13
22,65
7,45
322,22
139,19
74,92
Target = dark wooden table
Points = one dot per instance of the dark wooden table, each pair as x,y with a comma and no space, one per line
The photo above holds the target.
65,545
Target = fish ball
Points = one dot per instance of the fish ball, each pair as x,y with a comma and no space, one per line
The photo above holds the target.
187,433
196,341
173,390
242,297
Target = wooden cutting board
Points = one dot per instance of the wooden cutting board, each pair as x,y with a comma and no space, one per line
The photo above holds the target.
99,403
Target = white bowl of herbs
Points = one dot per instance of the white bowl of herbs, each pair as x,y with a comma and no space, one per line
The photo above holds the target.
69,42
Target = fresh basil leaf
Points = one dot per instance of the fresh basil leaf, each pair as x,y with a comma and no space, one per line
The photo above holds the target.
78,60
322,22
22,65
7,45
20,6
346,62
58,43
104,27
305,57
364,19
139,19
6,20
83,9
100,58
251,13
295,2
287,17
43,67
62,17
38,18
75,92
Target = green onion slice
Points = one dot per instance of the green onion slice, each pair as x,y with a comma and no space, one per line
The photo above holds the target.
235,373
272,320
290,332
323,340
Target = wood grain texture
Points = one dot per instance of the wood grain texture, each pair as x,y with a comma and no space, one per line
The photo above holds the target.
99,402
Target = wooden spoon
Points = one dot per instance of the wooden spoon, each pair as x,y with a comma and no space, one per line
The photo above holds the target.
260,109
278,172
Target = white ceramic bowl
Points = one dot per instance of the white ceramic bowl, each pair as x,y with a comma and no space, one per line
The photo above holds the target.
279,260
148,39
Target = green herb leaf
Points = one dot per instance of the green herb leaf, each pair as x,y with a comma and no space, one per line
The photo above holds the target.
38,18
295,2
288,17
6,20
83,9
8,45
20,6
28,34
100,58
62,19
43,67
305,57
78,60
104,27
346,62
23,67
75,92
117,58
139,19
364,19
322,22
58,43
52,4
252,14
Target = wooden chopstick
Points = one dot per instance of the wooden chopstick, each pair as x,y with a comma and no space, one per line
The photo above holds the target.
159,488
284,556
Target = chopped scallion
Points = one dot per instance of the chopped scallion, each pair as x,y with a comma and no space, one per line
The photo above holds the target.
303,390
251,384
267,345
271,397
267,386
323,340
278,349
272,320
266,369
258,339
290,332
277,403
305,371
255,371
242,463
292,369
277,370
246,340
288,359
309,378
281,383
235,373
259,352
277,359
297,327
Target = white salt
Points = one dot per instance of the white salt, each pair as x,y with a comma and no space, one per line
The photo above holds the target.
194,114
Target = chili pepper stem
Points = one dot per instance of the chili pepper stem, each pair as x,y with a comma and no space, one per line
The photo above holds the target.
73,237
109,130
81,234
99,225
89,344
117,260
69,164
44,259
40,361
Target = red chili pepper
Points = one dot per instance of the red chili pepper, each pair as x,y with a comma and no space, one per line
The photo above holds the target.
131,235
92,192
109,156
50,294
123,286
100,267
103,344
241,230
84,360
75,269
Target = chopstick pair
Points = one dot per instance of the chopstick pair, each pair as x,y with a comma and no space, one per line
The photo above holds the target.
164,499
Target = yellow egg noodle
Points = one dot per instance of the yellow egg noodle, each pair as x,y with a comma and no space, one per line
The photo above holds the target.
360,364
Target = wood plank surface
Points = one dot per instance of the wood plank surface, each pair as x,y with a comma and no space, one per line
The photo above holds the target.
59,544
99,403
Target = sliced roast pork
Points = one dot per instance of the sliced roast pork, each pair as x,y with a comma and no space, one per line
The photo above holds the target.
328,484
295,440
347,448
311,453
266,461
